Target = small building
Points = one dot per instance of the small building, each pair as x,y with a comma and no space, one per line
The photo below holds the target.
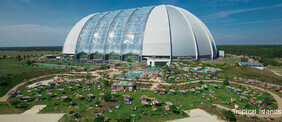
252,64
221,53
50,56
158,61
112,66
122,85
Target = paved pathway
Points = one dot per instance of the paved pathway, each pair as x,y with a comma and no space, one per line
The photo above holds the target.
34,109
198,115
31,116
45,82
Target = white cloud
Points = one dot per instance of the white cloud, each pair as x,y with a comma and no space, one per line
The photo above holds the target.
253,22
31,35
235,11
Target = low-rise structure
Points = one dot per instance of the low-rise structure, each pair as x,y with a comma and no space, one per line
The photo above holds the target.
252,64
122,85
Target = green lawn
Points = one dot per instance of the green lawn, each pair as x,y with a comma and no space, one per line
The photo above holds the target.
8,66
228,59
8,109
14,72
249,72
182,101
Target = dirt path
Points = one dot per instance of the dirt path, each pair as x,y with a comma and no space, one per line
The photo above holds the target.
154,86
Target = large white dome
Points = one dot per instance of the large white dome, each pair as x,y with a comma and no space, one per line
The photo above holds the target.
154,31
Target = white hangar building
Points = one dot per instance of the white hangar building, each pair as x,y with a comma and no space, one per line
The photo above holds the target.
163,31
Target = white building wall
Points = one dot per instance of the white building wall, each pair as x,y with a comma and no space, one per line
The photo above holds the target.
182,36
169,31
221,53
156,35
71,40
202,37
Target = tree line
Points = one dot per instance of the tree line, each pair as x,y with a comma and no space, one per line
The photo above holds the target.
265,54
47,48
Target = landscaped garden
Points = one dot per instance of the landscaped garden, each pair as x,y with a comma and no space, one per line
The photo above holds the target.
88,99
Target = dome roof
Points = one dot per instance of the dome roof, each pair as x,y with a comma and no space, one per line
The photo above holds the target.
162,30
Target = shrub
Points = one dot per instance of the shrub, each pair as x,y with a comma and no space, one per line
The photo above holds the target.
201,82
71,112
266,98
67,99
15,103
106,83
125,119
244,59
108,97
226,82
229,115
99,119
174,109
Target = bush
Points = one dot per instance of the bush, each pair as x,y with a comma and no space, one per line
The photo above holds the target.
106,83
201,82
244,59
99,119
129,60
4,83
226,82
15,103
108,97
125,119
67,99
266,98
174,109
229,115
71,112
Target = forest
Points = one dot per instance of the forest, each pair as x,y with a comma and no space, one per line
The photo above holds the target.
43,48
266,51
265,54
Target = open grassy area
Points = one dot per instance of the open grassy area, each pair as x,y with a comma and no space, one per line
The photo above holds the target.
14,72
7,109
12,66
30,54
252,73
87,109
228,59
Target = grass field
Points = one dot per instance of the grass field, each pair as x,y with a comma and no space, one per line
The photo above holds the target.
7,109
8,66
14,72
252,73
32,54
190,101
228,60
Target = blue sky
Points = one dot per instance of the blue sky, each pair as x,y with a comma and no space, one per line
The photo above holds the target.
47,22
